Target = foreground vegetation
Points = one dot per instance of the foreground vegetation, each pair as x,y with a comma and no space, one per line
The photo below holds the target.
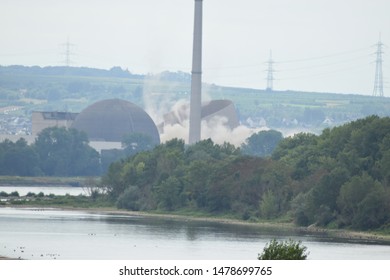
284,250
43,181
51,200
339,179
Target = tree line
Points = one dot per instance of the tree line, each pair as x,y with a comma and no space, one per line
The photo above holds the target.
343,175
339,179
56,151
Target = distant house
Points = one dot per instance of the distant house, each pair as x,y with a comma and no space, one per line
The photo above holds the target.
328,121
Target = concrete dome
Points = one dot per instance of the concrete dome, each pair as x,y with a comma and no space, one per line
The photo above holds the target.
109,120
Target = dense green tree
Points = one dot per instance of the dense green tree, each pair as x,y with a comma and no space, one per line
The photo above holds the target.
300,152
381,168
197,176
364,203
321,201
18,159
130,199
220,193
207,150
170,194
113,180
262,143
136,142
269,205
64,152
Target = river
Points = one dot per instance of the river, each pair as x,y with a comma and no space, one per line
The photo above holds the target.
79,235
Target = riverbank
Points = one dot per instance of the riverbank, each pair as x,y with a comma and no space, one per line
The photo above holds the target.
348,235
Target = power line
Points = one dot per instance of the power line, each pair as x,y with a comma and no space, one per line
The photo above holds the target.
270,73
68,53
310,67
333,72
378,83
325,56
333,55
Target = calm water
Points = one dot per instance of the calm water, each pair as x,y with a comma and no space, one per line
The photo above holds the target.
49,234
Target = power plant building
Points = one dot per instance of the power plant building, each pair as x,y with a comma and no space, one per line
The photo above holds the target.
105,122
42,120
109,120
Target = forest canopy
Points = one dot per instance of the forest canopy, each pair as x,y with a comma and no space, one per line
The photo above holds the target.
339,179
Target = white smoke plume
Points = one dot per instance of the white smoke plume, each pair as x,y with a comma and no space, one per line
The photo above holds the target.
157,104
162,106
215,128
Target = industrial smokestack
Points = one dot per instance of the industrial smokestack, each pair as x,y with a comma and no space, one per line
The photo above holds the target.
196,78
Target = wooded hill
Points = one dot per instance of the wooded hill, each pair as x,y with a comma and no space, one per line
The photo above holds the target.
339,179
74,88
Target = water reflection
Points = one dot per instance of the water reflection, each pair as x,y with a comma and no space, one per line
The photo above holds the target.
56,234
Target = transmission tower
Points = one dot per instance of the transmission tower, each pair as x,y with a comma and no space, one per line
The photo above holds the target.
270,73
68,53
378,84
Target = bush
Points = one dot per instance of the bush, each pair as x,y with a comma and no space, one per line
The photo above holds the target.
287,250
3,194
269,205
15,194
129,199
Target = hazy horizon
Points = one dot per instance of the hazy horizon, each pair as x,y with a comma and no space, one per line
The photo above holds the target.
320,46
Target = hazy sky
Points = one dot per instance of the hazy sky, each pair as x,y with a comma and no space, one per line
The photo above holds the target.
317,45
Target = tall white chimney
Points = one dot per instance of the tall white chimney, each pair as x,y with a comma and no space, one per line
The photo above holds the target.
196,78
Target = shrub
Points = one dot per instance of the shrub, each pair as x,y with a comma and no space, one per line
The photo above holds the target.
15,194
129,199
3,194
284,250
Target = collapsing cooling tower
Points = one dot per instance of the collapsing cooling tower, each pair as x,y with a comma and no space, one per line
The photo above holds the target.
209,110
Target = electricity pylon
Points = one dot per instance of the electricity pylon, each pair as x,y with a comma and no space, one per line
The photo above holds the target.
378,83
270,73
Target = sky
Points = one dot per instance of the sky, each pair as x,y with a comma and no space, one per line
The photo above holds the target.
320,46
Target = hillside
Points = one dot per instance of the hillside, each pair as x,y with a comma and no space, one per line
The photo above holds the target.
25,89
